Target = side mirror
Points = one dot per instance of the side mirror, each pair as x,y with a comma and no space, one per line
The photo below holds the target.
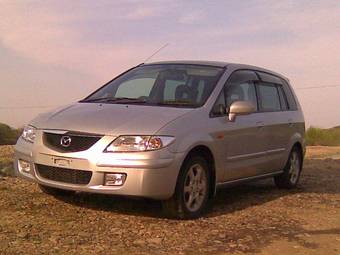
240,108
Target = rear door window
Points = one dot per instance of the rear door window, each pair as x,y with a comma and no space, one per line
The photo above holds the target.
290,100
269,99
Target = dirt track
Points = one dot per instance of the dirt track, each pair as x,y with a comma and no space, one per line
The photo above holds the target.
253,218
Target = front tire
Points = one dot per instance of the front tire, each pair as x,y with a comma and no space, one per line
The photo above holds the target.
192,190
55,192
291,174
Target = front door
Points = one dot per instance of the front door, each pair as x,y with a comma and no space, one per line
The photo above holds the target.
244,144
245,147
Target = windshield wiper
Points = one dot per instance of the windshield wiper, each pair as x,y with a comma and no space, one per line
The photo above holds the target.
96,99
177,103
123,100
115,100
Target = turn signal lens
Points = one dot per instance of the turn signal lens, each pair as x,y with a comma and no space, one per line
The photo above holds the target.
155,143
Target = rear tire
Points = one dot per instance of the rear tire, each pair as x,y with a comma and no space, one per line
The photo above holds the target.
192,190
291,174
56,192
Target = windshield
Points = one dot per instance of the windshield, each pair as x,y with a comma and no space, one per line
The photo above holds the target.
167,85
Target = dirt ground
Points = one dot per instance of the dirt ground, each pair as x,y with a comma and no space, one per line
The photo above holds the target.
255,218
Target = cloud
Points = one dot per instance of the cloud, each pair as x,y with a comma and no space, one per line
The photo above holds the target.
141,13
97,38
100,39
46,36
191,18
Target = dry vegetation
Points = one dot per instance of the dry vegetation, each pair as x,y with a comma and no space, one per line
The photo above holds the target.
253,218
325,137
8,135
6,160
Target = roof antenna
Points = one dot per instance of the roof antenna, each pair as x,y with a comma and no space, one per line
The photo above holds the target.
161,48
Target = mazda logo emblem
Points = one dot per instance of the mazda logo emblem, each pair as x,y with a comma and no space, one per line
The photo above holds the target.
65,141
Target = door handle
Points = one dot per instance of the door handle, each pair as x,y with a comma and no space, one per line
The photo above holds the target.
260,124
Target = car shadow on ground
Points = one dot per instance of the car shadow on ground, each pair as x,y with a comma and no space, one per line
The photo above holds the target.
227,200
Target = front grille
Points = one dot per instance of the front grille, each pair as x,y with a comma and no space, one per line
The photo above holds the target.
65,175
78,141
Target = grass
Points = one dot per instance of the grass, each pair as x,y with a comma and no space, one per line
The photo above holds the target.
325,137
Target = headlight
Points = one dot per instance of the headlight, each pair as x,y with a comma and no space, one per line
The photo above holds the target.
29,134
139,143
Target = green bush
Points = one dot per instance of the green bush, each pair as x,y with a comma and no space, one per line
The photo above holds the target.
325,137
8,135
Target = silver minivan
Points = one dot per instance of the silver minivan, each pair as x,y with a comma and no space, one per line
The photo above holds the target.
173,131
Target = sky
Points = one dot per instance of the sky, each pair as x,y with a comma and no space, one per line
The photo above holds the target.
53,53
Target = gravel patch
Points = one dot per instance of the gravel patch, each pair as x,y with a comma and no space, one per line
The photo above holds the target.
244,219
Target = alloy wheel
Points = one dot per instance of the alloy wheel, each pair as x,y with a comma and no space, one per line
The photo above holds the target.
195,187
294,169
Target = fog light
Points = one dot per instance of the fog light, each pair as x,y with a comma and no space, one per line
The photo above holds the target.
24,166
117,179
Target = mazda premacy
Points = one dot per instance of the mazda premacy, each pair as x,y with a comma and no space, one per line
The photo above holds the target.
172,131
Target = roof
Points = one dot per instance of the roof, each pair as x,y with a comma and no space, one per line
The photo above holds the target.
217,64
190,62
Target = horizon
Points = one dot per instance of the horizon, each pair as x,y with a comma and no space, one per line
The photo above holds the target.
55,53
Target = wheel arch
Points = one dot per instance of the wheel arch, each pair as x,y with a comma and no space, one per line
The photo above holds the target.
205,152
300,148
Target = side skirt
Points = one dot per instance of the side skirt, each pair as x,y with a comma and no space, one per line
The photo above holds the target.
247,179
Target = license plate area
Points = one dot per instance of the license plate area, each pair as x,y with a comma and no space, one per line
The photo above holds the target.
64,162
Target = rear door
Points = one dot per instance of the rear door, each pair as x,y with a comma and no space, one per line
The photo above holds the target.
277,131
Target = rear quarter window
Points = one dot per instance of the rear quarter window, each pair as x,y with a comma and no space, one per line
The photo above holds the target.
290,97
283,100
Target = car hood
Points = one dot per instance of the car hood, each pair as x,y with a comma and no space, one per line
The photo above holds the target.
109,119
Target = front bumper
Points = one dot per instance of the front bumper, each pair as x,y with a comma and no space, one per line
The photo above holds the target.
150,174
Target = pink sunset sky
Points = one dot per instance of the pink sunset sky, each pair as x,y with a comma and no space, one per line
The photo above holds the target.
56,52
